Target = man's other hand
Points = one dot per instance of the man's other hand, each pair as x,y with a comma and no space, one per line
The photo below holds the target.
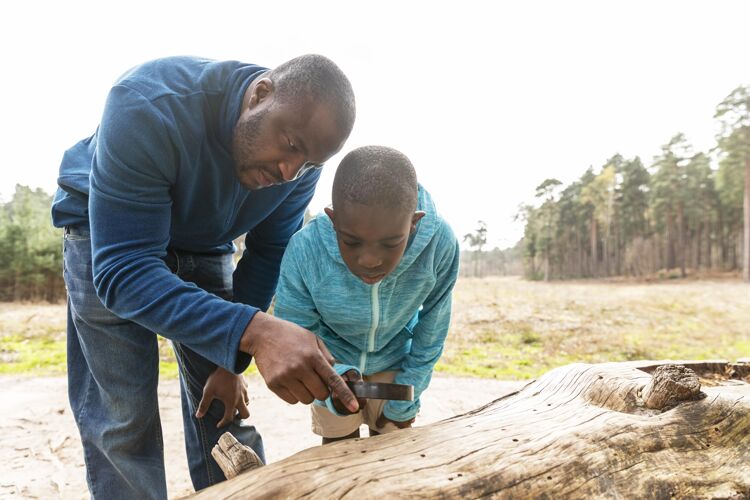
228,388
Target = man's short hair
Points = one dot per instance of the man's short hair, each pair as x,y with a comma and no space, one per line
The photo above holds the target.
376,176
316,78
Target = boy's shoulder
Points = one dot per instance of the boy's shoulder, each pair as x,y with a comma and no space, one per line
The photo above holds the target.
314,240
442,239
445,244
314,229
444,231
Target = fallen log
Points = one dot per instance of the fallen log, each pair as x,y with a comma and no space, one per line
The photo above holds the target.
616,430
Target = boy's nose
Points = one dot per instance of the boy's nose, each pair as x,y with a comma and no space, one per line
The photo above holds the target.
369,261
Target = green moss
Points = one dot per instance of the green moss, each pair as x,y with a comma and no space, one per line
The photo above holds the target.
33,356
40,356
742,348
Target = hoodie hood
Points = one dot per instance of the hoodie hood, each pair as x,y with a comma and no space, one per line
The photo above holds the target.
426,229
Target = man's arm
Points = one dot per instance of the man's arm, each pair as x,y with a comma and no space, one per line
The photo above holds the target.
129,211
257,272
429,333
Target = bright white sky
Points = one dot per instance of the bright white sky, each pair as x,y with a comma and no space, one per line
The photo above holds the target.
487,98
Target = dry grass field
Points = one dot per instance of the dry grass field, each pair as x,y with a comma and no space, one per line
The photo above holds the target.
509,328
504,328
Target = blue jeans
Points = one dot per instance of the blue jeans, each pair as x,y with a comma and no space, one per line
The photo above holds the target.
113,371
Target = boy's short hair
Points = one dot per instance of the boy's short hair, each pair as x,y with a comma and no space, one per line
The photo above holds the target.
376,176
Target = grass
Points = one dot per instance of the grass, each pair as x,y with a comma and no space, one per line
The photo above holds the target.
33,341
508,328
502,328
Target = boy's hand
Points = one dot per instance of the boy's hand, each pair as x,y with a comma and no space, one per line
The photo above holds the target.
228,388
350,376
382,420
292,362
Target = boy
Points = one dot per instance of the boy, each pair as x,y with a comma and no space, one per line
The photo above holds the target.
373,280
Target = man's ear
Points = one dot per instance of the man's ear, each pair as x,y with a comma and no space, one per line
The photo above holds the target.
416,218
261,90
330,213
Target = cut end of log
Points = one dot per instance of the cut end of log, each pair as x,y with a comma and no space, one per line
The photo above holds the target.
233,457
671,384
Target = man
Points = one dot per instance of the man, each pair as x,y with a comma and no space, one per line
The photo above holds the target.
189,155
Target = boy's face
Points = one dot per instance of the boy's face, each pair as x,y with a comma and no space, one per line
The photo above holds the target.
371,239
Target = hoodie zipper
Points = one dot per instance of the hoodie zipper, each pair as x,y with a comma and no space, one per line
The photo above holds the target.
375,320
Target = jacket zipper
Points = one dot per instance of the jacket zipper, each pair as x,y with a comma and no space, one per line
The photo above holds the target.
373,327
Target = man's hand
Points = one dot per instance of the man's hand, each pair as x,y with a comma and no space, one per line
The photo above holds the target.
228,388
292,362
382,420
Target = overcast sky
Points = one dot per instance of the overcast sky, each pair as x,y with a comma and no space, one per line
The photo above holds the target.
487,99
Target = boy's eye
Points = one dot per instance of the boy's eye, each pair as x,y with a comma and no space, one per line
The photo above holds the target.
393,245
291,144
350,243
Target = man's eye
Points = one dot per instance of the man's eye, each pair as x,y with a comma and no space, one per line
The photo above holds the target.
291,144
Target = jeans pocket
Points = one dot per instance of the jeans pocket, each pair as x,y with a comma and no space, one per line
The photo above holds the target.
213,273
76,237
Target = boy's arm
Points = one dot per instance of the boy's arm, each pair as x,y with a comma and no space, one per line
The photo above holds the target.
293,298
429,335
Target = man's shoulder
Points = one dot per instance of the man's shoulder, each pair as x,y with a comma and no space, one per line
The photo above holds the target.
181,75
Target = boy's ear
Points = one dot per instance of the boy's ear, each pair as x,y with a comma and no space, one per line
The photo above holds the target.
416,218
330,213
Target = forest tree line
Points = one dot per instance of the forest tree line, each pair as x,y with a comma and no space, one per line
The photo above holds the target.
30,249
686,211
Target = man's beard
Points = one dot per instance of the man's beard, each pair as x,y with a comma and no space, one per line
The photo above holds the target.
246,142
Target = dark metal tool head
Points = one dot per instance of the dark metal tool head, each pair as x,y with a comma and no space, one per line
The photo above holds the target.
382,390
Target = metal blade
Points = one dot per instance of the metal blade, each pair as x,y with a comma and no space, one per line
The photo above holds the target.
382,390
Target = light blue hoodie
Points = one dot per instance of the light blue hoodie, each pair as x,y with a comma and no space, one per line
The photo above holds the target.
399,323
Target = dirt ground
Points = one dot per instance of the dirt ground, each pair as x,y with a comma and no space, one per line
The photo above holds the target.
41,455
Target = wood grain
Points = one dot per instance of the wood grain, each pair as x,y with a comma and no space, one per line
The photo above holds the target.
579,431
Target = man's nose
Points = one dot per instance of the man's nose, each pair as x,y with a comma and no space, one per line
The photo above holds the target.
290,167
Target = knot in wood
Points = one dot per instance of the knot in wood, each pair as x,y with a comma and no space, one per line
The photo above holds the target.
669,385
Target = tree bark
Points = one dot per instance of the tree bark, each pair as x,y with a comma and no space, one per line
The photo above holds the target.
723,250
681,238
594,248
614,430
746,207
671,259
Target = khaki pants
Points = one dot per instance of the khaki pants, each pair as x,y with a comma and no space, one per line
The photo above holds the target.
328,425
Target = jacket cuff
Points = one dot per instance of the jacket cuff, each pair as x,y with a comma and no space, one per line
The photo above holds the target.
238,361
401,415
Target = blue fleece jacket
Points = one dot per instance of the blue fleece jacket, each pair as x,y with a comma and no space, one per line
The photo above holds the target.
399,323
158,173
